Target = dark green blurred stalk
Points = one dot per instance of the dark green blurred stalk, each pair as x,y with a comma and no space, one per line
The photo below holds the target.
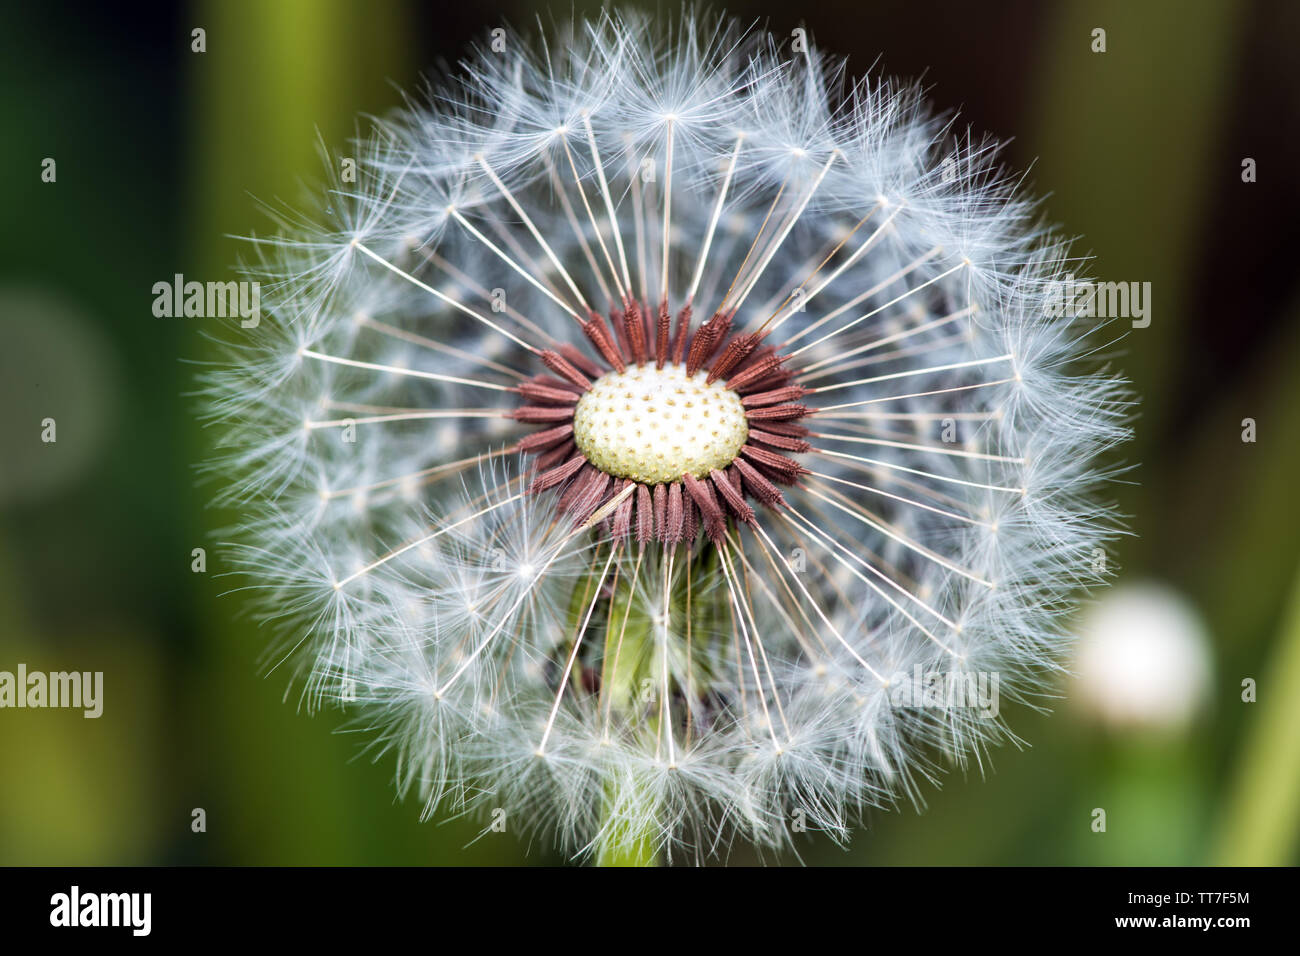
277,79
1262,819
274,76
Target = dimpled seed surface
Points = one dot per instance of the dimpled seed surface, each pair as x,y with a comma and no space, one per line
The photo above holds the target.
654,425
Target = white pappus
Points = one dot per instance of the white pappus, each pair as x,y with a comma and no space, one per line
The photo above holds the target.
655,408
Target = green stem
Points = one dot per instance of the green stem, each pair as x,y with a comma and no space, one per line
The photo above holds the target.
633,679
621,845
628,661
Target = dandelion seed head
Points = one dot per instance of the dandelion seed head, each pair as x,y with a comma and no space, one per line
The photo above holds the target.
654,425
652,408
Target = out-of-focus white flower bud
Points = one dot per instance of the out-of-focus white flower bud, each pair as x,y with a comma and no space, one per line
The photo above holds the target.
1143,658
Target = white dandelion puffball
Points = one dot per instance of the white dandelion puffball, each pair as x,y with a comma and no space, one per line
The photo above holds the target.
663,441
1143,659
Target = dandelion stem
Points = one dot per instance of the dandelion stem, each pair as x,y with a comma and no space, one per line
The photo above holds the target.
621,843
625,839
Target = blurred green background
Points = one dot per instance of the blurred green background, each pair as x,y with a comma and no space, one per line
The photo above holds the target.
159,151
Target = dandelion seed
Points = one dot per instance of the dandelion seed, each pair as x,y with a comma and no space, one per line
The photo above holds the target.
664,486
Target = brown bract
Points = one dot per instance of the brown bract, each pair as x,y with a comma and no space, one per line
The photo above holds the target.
670,512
